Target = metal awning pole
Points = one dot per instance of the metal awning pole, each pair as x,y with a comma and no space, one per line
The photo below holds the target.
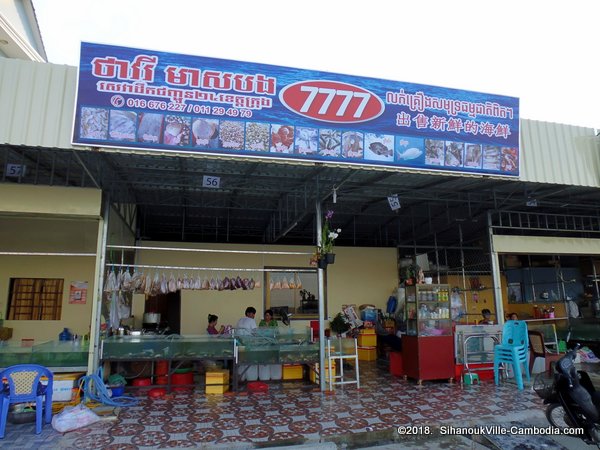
321,291
94,349
496,277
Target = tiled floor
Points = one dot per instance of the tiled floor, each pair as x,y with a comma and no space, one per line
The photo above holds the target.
289,412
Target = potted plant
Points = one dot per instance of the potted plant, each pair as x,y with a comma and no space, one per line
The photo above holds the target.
328,236
338,324
410,274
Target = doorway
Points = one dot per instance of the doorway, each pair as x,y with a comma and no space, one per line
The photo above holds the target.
169,307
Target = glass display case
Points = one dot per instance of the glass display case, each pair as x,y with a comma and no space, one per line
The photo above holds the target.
428,310
277,346
428,347
167,347
170,353
58,356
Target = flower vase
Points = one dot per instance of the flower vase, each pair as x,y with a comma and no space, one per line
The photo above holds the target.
322,263
330,258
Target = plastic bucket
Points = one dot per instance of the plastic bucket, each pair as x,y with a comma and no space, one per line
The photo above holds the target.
117,391
142,382
264,372
162,367
182,378
276,371
252,372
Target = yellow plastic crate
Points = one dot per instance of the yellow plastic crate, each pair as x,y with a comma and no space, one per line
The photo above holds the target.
217,388
367,338
367,353
217,377
293,371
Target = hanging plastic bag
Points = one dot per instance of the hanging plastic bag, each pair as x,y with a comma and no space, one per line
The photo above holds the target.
164,284
239,283
114,310
205,284
111,282
119,282
74,417
155,285
148,284
126,283
298,282
136,281
172,285
124,307
284,283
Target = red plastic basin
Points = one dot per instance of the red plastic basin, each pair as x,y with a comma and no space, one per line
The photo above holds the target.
142,382
182,378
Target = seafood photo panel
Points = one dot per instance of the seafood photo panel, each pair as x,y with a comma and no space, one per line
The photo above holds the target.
132,98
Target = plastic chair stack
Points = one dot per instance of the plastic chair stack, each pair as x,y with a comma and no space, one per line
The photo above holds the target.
513,350
21,384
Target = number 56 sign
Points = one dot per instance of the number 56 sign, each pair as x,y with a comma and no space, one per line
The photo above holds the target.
211,182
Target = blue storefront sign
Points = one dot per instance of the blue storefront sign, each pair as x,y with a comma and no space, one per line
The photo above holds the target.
142,99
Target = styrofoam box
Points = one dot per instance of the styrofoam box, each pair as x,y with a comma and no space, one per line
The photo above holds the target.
62,386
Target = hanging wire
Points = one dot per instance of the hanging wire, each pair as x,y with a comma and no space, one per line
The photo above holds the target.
207,250
232,269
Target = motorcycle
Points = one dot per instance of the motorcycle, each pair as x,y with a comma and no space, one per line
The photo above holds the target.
571,398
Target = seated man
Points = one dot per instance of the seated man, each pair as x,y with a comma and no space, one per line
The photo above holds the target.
486,317
385,337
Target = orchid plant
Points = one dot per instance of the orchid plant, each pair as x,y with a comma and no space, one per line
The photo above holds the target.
328,237
329,234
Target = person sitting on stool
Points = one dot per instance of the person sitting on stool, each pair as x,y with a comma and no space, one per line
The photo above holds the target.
487,317
386,338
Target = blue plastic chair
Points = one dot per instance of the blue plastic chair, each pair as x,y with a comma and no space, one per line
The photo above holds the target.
21,384
513,350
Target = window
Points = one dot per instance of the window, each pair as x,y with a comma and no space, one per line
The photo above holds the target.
35,299
295,293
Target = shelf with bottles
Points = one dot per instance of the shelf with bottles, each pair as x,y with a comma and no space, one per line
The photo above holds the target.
428,310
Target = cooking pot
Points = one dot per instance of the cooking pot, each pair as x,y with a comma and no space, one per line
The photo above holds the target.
151,317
